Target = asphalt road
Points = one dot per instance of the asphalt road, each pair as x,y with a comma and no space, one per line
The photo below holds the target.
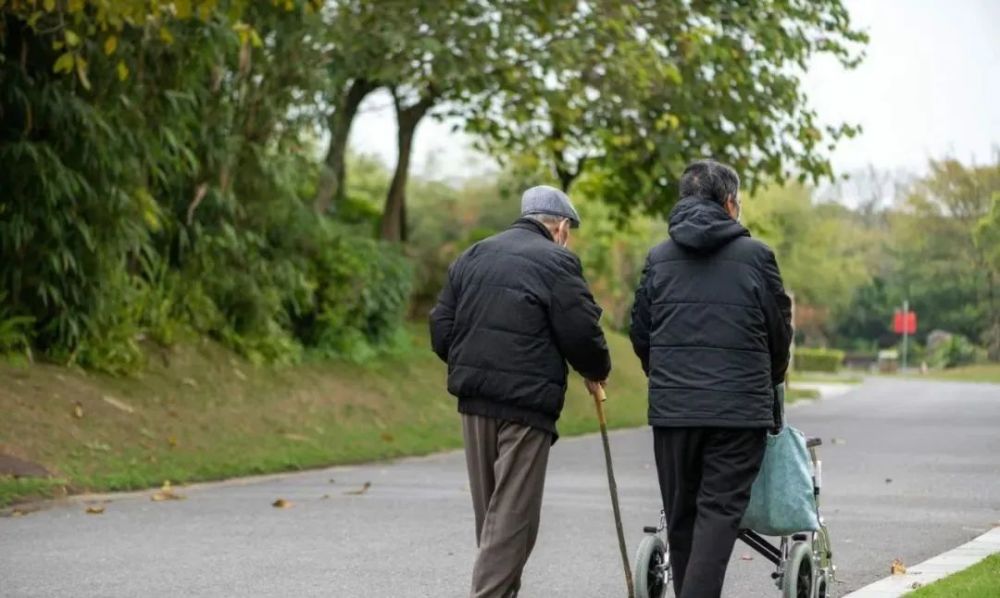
915,471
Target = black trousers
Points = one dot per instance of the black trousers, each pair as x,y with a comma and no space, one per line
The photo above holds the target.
705,478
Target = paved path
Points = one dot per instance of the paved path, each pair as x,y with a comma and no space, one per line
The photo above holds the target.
915,471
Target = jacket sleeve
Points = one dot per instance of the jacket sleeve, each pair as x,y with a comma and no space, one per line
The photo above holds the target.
778,318
575,319
639,328
442,317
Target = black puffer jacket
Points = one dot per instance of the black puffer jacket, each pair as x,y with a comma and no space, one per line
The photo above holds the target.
711,323
514,310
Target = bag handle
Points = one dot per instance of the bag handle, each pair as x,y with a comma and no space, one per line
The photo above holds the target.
778,407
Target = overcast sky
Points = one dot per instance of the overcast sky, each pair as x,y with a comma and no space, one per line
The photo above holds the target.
929,88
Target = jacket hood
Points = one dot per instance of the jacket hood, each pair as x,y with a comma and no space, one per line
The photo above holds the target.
702,225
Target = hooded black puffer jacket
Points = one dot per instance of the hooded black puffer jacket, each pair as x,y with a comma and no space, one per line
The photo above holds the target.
711,323
514,310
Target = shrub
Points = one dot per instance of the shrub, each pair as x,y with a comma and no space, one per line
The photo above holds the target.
360,291
818,360
15,331
955,351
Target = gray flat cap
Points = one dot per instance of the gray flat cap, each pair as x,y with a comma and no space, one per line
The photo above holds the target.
549,200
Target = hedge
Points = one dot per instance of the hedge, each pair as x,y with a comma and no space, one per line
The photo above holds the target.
818,360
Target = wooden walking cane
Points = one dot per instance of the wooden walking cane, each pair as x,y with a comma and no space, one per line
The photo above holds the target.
599,398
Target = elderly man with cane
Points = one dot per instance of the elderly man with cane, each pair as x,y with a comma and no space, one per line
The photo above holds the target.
711,324
514,310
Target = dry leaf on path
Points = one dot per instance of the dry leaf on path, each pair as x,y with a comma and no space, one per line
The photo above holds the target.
281,503
166,493
897,567
364,488
746,557
78,410
839,441
95,510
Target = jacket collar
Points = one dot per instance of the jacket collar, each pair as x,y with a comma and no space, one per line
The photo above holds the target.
535,226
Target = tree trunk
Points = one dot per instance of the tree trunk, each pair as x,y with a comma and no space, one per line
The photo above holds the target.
564,174
332,182
394,215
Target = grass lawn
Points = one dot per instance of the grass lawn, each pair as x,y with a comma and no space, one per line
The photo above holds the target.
979,581
793,394
199,413
973,373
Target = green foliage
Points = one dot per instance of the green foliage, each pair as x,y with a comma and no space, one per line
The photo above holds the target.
136,210
821,252
685,80
818,360
612,254
15,331
956,351
362,290
946,253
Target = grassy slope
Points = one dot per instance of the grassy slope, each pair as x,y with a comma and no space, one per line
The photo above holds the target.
201,414
979,581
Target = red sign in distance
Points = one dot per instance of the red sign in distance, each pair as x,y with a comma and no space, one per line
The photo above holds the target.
904,322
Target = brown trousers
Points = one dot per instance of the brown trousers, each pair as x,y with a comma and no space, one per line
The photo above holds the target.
506,464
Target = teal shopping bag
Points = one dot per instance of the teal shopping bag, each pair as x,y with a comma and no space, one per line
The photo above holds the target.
781,499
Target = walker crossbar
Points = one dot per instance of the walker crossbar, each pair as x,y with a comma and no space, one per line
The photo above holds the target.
761,545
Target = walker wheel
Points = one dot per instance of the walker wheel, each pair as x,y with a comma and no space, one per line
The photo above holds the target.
798,578
652,568
823,585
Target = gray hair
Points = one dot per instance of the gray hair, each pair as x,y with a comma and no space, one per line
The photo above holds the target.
546,219
709,180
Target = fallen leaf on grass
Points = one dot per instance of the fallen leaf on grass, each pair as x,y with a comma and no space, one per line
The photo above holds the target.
897,567
281,503
172,441
166,493
97,445
95,510
364,488
118,404
387,437
78,410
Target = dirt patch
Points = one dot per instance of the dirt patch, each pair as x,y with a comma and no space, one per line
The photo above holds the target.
21,468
